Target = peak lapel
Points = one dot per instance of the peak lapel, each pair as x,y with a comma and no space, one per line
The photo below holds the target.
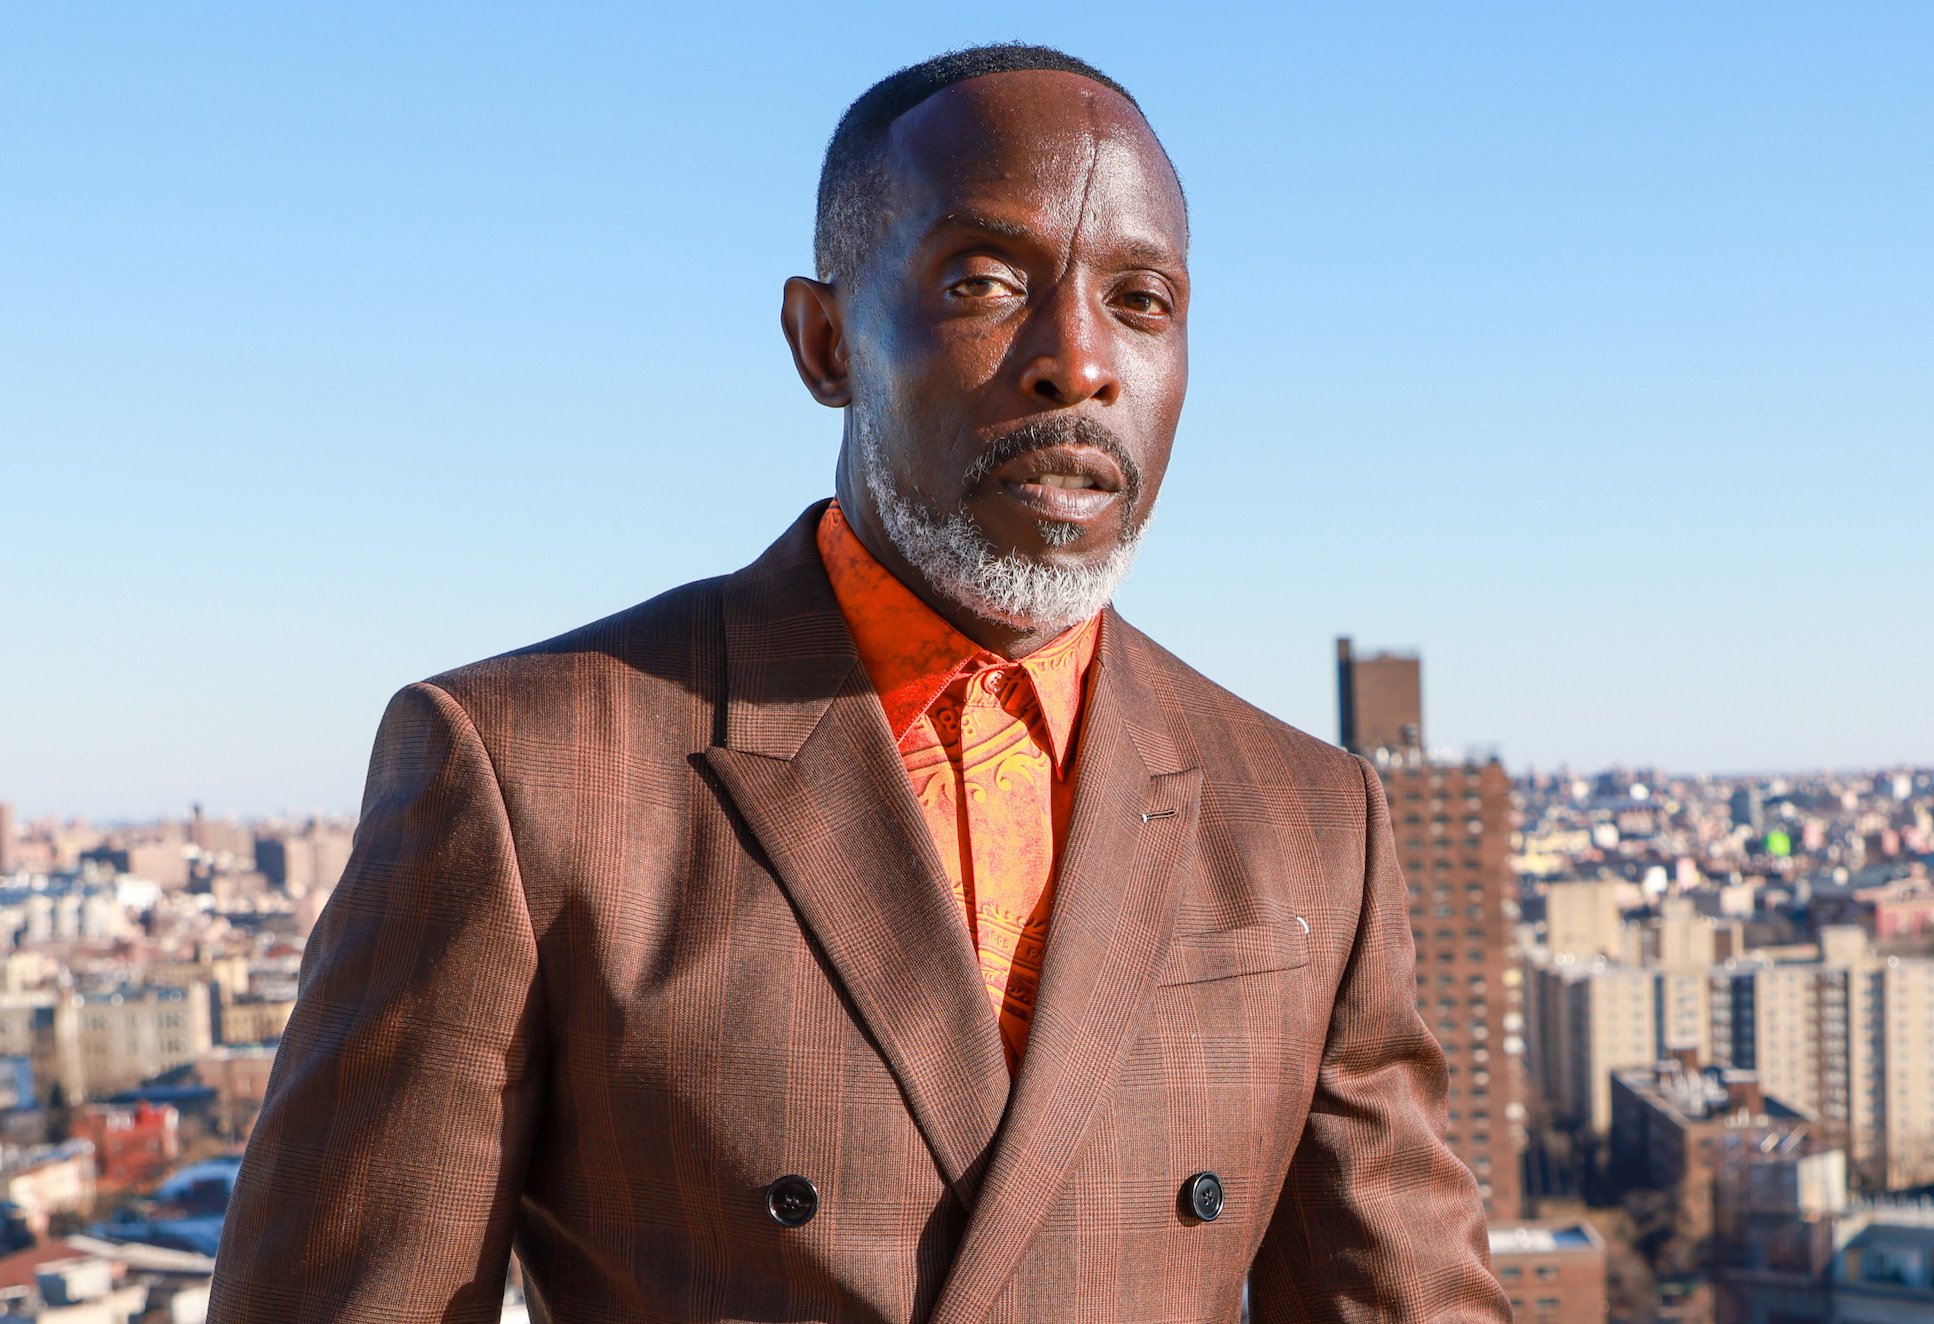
809,763
1114,905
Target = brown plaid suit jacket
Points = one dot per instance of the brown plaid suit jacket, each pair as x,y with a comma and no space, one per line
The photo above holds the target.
644,917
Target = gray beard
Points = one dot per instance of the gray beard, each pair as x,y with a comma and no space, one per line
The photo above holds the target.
959,562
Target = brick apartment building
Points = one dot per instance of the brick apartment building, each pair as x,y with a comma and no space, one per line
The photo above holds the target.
1678,1129
1453,828
1553,1270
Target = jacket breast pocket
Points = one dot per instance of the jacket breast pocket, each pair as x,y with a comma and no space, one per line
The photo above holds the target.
1197,958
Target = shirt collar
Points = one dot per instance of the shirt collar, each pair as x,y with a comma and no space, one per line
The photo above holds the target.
912,655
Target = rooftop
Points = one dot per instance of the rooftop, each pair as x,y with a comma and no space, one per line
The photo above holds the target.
1708,1094
1544,1237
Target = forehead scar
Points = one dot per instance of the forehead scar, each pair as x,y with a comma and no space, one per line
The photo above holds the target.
1087,183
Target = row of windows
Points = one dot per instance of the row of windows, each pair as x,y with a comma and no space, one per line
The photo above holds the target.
1440,824
1476,982
1414,868
1511,1273
1449,935
1412,797
1450,912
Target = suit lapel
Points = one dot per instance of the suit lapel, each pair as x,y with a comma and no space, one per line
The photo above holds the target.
808,761
1114,904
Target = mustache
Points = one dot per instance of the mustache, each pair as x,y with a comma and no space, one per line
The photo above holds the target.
1039,434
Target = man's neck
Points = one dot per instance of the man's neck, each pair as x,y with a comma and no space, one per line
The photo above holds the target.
1009,641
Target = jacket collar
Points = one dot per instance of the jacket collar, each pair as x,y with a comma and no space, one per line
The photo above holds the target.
788,651
912,655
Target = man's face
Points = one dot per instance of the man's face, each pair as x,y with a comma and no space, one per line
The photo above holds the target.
1017,334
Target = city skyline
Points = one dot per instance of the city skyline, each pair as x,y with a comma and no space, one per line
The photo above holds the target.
1585,352
26,811
29,807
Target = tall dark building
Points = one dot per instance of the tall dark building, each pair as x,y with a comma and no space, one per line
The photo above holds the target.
1453,828
1749,808
1380,699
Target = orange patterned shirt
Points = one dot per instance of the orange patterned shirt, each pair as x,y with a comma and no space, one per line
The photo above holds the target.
989,747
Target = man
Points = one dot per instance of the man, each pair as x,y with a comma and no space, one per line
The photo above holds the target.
887,931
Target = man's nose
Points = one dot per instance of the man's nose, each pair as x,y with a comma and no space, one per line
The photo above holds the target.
1069,351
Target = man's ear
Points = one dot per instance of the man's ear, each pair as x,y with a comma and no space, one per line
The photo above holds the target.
810,315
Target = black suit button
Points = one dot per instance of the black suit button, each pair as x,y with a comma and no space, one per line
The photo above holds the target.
1202,1196
792,1201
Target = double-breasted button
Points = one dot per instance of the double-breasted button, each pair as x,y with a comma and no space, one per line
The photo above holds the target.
792,1201
1202,1196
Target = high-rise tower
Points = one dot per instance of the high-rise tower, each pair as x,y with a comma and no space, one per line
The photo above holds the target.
1380,699
1453,825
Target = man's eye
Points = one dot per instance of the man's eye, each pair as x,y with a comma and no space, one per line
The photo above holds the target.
979,287
1146,302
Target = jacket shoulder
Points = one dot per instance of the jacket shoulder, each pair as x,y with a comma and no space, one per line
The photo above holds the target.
674,639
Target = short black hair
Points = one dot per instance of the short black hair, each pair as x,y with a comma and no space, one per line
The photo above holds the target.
852,175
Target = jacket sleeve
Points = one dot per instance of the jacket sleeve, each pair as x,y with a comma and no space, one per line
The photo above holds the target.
1378,1220
383,1176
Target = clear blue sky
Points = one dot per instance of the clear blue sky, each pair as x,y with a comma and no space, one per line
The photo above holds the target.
1588,348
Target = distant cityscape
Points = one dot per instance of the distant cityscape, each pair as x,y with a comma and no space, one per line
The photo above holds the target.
1688,1022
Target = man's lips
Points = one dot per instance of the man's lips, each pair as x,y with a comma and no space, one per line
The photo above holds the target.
1071,483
